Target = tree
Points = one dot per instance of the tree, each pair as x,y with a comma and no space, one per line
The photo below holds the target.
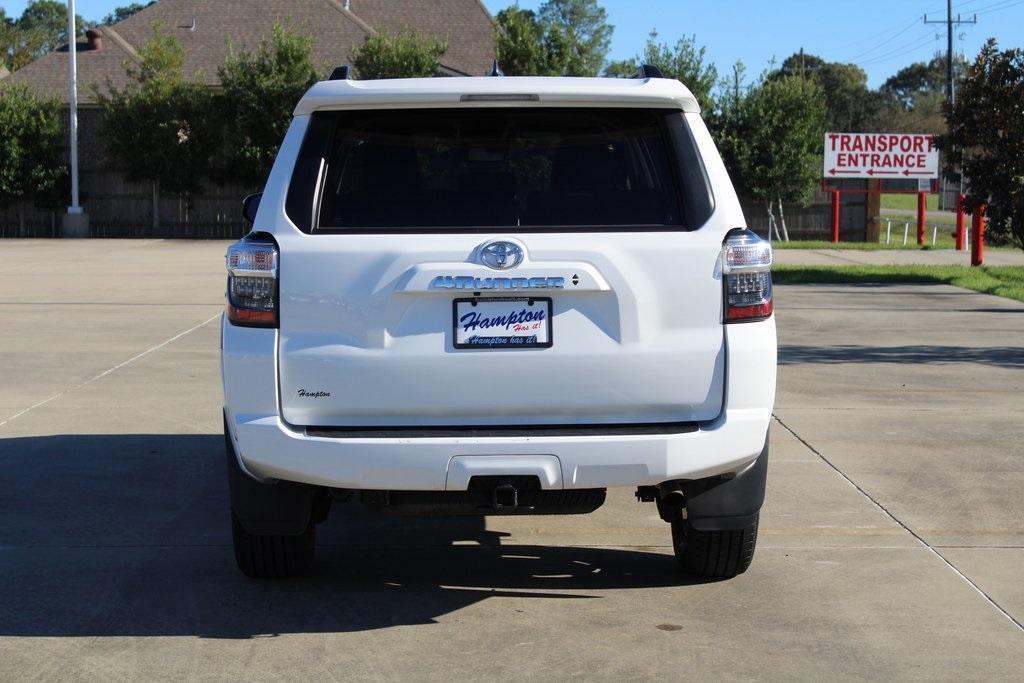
621,68
587,33
986,138
526,47
122,13
159,128
405,54
32,155
923,79
42,28
259,92
7,38
925,116
851,106
728,119
683,61
777,141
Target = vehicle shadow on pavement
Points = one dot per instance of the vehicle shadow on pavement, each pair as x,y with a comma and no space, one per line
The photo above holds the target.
998,356
128,535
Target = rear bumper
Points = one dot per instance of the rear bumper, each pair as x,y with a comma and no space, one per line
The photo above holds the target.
270,449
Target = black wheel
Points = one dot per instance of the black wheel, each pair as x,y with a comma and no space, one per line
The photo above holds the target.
714,554
272,556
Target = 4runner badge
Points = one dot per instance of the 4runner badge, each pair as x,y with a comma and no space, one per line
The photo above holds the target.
481,283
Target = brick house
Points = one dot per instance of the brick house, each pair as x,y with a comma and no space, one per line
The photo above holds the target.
204,27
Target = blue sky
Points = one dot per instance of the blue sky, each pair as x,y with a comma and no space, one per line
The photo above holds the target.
879,35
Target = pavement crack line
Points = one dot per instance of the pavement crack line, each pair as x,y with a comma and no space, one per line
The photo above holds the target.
985,596
106,372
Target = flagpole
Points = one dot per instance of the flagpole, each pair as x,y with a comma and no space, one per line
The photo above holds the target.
76,222
73,104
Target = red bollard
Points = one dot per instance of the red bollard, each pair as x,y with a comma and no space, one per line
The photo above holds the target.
922,206
835,216
959,234
978,236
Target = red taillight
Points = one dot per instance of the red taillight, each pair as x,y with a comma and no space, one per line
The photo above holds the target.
252,284
756,312
747,275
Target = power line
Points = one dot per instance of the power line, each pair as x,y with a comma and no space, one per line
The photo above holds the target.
886,40
917,44
1000,4
984,10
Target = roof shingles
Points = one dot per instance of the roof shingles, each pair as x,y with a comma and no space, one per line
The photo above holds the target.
205,30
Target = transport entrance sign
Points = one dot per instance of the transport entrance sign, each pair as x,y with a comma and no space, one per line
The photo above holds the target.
880,155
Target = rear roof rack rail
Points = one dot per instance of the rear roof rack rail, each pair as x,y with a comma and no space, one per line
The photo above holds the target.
648,71
340,73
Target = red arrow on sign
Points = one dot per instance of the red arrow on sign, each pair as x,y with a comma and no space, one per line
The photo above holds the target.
874,172
835,172
909,172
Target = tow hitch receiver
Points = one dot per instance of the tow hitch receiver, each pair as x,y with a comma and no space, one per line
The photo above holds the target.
489,495
506,497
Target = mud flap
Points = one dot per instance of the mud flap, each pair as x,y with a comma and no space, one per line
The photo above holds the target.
284,508
722,505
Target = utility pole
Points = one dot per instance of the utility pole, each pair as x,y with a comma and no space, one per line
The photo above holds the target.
950,71
950,23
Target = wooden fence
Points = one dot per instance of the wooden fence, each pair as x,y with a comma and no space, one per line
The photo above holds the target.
118,208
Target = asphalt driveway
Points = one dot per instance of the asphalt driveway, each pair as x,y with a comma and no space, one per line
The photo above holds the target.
892,542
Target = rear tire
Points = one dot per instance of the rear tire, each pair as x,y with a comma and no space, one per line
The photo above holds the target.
273,556
714,554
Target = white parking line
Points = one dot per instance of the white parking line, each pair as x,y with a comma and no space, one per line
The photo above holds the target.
985,596
109,370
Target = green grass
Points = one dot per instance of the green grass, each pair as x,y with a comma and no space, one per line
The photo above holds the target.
942,220
908,202
1005,281
943,242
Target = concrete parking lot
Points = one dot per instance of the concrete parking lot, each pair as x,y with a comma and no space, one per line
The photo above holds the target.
892,542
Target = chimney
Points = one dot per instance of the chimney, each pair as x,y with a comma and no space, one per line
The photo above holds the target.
95,38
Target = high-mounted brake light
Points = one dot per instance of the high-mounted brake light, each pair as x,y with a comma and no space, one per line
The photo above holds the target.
747,275
252,284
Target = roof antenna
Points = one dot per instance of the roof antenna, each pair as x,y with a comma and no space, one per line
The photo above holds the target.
648,71
496,70
340,73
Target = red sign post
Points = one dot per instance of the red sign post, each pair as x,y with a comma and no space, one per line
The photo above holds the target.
835,216
960,223
978,236
922,209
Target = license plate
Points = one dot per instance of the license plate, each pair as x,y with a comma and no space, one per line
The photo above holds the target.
501,323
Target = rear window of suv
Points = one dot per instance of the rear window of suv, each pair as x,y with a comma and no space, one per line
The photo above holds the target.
507,168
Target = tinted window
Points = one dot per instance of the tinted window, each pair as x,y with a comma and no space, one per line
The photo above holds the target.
496,167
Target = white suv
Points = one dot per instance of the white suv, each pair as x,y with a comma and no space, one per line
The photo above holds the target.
497,296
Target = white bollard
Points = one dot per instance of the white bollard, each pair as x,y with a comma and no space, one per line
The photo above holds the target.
906,231
888,230
935,233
